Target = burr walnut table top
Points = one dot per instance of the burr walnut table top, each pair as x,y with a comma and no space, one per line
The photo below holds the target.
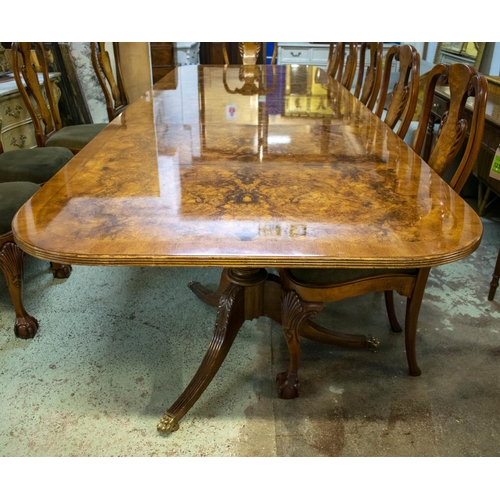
284,172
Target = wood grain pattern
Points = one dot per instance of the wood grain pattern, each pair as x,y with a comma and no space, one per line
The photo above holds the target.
177,181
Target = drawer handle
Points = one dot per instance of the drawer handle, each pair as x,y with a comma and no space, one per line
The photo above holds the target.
295,55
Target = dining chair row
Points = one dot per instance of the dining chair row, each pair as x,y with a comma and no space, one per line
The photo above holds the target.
22,172
395,106
457,140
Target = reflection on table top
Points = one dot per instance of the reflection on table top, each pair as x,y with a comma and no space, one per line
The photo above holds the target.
264,167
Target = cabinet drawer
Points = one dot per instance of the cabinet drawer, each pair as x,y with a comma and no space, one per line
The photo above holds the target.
295,55
319,56
13,110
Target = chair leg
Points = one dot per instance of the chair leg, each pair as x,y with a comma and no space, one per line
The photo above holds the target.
494,281
60,271
11,263
413,304
293,312
391,312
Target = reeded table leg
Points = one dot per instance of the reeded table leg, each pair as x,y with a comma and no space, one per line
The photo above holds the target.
242,299
206,295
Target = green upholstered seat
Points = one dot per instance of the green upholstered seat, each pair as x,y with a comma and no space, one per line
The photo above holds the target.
13,195
75,136
332,276
33,165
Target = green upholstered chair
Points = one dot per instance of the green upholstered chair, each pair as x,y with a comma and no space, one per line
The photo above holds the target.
36,165
28,62
306,290
12,196
21,172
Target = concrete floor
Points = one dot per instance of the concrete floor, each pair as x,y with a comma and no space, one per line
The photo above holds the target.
110,357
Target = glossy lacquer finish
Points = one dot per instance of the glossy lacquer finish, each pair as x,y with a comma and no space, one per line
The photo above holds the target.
262,167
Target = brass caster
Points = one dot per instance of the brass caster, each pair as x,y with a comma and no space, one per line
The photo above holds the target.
167,424
372,343
191,284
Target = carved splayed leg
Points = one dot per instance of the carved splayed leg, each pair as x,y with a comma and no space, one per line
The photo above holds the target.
230,317
294,311
60,271
208,296
11,263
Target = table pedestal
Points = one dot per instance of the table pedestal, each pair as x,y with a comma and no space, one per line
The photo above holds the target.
247,293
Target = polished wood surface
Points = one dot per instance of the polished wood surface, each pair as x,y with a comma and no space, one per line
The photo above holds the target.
194,175
261,190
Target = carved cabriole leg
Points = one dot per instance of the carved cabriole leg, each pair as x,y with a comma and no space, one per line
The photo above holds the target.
60,271
494,281
294,312
413,304
242,299
11,263
206,295
391,312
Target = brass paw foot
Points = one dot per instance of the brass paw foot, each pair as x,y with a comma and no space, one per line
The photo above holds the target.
26,328
61,271
167,424
372,343
287,386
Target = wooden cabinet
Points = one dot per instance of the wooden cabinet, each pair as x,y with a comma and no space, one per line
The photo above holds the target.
162,59
313,54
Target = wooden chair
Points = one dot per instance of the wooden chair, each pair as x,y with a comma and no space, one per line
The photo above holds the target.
369,78
249,52
41,104
494,281
306,290
402,101
340,67
114,90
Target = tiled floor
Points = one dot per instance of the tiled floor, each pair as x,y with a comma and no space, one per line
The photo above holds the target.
116,346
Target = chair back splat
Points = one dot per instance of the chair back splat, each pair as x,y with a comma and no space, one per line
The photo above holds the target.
369,78
403,98
47,120
249,52
463,81
114,90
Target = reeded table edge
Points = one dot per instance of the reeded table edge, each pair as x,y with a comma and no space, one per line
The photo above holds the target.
249,262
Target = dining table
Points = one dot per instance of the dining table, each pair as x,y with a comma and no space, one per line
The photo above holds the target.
250,169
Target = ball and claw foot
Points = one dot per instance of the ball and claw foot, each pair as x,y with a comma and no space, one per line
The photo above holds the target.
61,271
167,424
26,327
288,387
372,343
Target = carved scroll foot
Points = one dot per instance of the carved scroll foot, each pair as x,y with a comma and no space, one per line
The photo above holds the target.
167,424
287,385
60,271
25,327
11,263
